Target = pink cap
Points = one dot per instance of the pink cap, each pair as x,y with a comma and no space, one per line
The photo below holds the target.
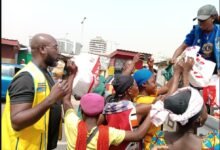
92,104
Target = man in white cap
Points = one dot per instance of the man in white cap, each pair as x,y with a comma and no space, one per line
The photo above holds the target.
206,35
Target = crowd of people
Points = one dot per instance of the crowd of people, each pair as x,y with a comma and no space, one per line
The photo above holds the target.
129,117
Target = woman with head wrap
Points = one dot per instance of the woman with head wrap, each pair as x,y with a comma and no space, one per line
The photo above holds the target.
121,113
147,86
146,81
148,92
185,107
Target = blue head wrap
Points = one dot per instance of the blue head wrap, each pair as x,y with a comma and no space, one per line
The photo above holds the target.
142,76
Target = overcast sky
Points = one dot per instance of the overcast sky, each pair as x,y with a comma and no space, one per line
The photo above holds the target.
153,26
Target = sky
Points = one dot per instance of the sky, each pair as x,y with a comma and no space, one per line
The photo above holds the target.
152,26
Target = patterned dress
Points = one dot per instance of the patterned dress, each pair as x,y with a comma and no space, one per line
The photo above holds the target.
209,142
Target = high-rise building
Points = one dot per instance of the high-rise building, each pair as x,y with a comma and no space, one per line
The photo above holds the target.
69,47
97,45
78,48
65,46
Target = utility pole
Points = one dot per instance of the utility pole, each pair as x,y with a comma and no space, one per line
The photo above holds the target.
82,28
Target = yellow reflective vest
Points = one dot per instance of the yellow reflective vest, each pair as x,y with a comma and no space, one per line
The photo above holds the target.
34,137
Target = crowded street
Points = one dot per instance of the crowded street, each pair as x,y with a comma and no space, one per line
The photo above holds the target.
110,75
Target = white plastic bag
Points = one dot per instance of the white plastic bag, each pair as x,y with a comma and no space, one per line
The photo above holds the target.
88,72
202,70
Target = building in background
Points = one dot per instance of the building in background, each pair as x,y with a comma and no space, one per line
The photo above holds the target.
9,50
118,58
69,47
97,45
24,54
77,48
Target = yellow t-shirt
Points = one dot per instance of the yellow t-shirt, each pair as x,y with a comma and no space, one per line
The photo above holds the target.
144,99
153,129
70,125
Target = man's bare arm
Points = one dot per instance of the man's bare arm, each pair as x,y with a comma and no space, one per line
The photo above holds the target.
24,115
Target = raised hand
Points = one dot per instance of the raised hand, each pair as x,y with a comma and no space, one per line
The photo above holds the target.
150,62
59,90
178,67
187,66
136,57
72,68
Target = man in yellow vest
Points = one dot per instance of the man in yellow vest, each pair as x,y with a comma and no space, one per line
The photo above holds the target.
32,114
